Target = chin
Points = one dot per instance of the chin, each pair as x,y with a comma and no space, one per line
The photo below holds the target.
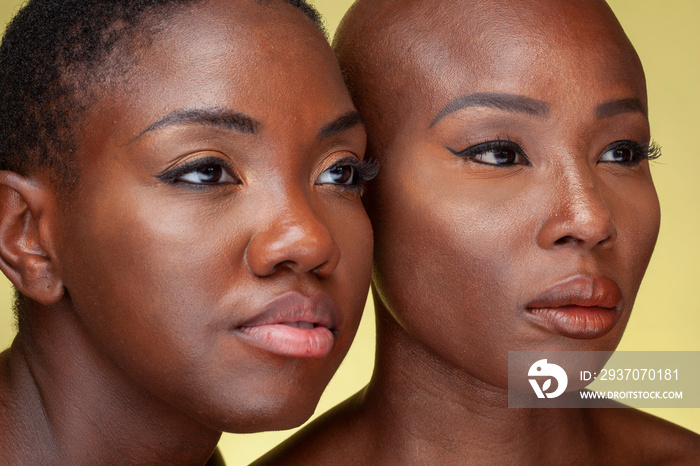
279,411
268,420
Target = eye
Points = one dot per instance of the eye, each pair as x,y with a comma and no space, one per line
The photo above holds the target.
629,152
210,174
349,172
498,153
340,174
204,171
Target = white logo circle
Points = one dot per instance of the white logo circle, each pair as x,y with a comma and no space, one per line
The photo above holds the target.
542,368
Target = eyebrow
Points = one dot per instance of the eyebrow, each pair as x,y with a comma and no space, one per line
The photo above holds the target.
221,118
508,102
616,107
340,124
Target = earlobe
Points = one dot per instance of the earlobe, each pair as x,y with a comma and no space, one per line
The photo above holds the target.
26,207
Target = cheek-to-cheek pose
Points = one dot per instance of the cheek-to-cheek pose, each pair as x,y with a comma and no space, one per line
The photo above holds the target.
515,211
181,217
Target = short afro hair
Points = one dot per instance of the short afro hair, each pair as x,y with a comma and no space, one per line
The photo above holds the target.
51,53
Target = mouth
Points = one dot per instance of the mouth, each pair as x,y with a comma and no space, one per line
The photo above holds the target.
300,324
581,307
294,325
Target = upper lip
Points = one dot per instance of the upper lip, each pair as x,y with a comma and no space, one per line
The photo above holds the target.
580,290
292,306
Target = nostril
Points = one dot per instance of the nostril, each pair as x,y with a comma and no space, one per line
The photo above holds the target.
575,240
606,241
566,240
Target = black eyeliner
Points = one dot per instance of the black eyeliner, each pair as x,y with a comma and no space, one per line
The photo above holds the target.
171,176
498,144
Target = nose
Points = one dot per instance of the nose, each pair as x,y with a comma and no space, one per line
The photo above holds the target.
577,214
293,238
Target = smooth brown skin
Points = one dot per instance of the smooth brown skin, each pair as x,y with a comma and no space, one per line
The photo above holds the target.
128,355
461,247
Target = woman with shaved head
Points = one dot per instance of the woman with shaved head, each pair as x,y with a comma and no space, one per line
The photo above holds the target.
515,212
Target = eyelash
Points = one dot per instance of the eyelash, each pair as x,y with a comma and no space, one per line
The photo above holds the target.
498,145
173,176
365,171
639,152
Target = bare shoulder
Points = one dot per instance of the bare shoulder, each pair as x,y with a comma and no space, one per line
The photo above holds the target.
629,434
338,437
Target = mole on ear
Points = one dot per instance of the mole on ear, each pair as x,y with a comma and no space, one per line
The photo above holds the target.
25,257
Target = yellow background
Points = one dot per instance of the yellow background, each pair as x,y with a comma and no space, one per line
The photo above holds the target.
667,314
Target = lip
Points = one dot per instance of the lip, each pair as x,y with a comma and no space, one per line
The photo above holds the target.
581,307
294,325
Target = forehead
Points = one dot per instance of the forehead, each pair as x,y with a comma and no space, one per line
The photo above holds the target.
257,58
544,49
248,37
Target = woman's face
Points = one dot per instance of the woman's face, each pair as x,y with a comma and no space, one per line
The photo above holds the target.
216,251
515,209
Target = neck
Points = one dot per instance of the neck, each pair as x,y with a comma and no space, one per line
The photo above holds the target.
61,400
438,411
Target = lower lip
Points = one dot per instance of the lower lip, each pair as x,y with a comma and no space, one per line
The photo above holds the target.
584,323
292,342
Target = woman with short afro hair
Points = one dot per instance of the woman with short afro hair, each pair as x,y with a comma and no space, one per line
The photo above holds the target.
180,214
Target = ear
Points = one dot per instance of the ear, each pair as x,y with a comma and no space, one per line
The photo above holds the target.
27,208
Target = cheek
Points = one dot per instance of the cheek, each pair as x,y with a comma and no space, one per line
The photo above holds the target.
638,229
352,230
448,259
353,233
146,270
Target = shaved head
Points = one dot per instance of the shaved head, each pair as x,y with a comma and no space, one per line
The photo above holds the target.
396,54
490,118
